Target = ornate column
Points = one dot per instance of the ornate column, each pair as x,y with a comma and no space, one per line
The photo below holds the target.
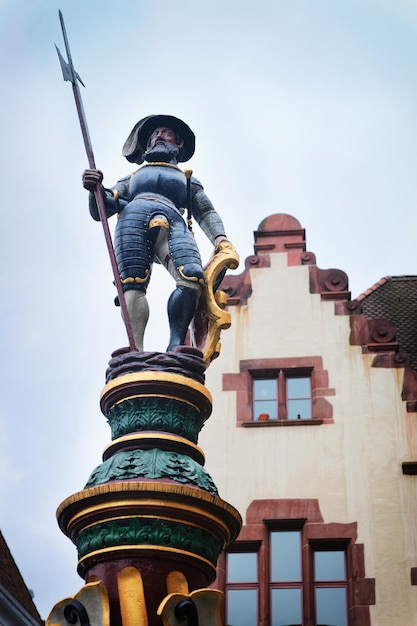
149,524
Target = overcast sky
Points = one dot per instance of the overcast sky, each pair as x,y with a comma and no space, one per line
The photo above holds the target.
307,107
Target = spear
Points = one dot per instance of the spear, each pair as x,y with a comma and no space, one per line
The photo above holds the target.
70,74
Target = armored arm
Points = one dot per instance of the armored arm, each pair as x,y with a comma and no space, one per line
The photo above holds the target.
211,316
114,199
205,214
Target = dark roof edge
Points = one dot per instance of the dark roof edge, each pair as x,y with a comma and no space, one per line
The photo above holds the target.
11,605
14,583
381,282
374,287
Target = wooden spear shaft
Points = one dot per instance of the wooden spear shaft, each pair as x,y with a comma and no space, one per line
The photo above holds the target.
71,75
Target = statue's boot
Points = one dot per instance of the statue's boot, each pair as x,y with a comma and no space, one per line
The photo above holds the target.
181,308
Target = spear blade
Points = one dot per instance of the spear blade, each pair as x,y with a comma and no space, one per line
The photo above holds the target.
68,72
67,68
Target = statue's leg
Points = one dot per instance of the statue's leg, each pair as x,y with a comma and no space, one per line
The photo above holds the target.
179,253
134,255
138,309
182,304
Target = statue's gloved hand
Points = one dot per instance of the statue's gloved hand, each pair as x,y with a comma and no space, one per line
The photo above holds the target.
92,179
222,247
218,241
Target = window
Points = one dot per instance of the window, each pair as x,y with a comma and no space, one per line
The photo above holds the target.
330,587
286,391
299,398
285,587
291,589
265,398
293,569
242,588
281,396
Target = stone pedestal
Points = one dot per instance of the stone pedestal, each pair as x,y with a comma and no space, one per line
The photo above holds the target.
149,522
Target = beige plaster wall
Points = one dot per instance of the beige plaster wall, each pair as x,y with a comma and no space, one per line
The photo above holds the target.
353,467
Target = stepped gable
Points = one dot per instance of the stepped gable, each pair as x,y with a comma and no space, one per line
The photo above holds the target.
383,319
283,233
395,298
11,579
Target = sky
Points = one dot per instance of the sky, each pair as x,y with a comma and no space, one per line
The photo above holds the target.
306,107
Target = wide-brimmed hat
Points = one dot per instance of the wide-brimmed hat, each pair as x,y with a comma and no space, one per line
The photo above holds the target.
135,144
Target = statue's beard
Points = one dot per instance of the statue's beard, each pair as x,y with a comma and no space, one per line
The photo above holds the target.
162,151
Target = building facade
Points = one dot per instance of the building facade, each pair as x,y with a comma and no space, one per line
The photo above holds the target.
16,604
312,439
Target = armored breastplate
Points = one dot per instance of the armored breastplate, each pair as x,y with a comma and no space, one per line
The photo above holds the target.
166,181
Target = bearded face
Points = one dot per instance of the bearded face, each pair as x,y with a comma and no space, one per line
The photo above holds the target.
163,145
162,151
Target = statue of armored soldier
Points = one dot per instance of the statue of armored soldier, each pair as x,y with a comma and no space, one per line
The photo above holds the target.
150,204
149,524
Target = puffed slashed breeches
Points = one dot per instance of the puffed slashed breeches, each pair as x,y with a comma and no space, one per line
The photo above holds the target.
148,230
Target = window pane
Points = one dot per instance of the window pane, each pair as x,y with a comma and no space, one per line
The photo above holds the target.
299,409
266,406
265,388
242,567
242,607
286,607
285,556
265,397
329,565
299,387
331,606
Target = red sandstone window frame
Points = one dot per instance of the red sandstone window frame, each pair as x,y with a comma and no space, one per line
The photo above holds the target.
242,383
305,584
264,516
